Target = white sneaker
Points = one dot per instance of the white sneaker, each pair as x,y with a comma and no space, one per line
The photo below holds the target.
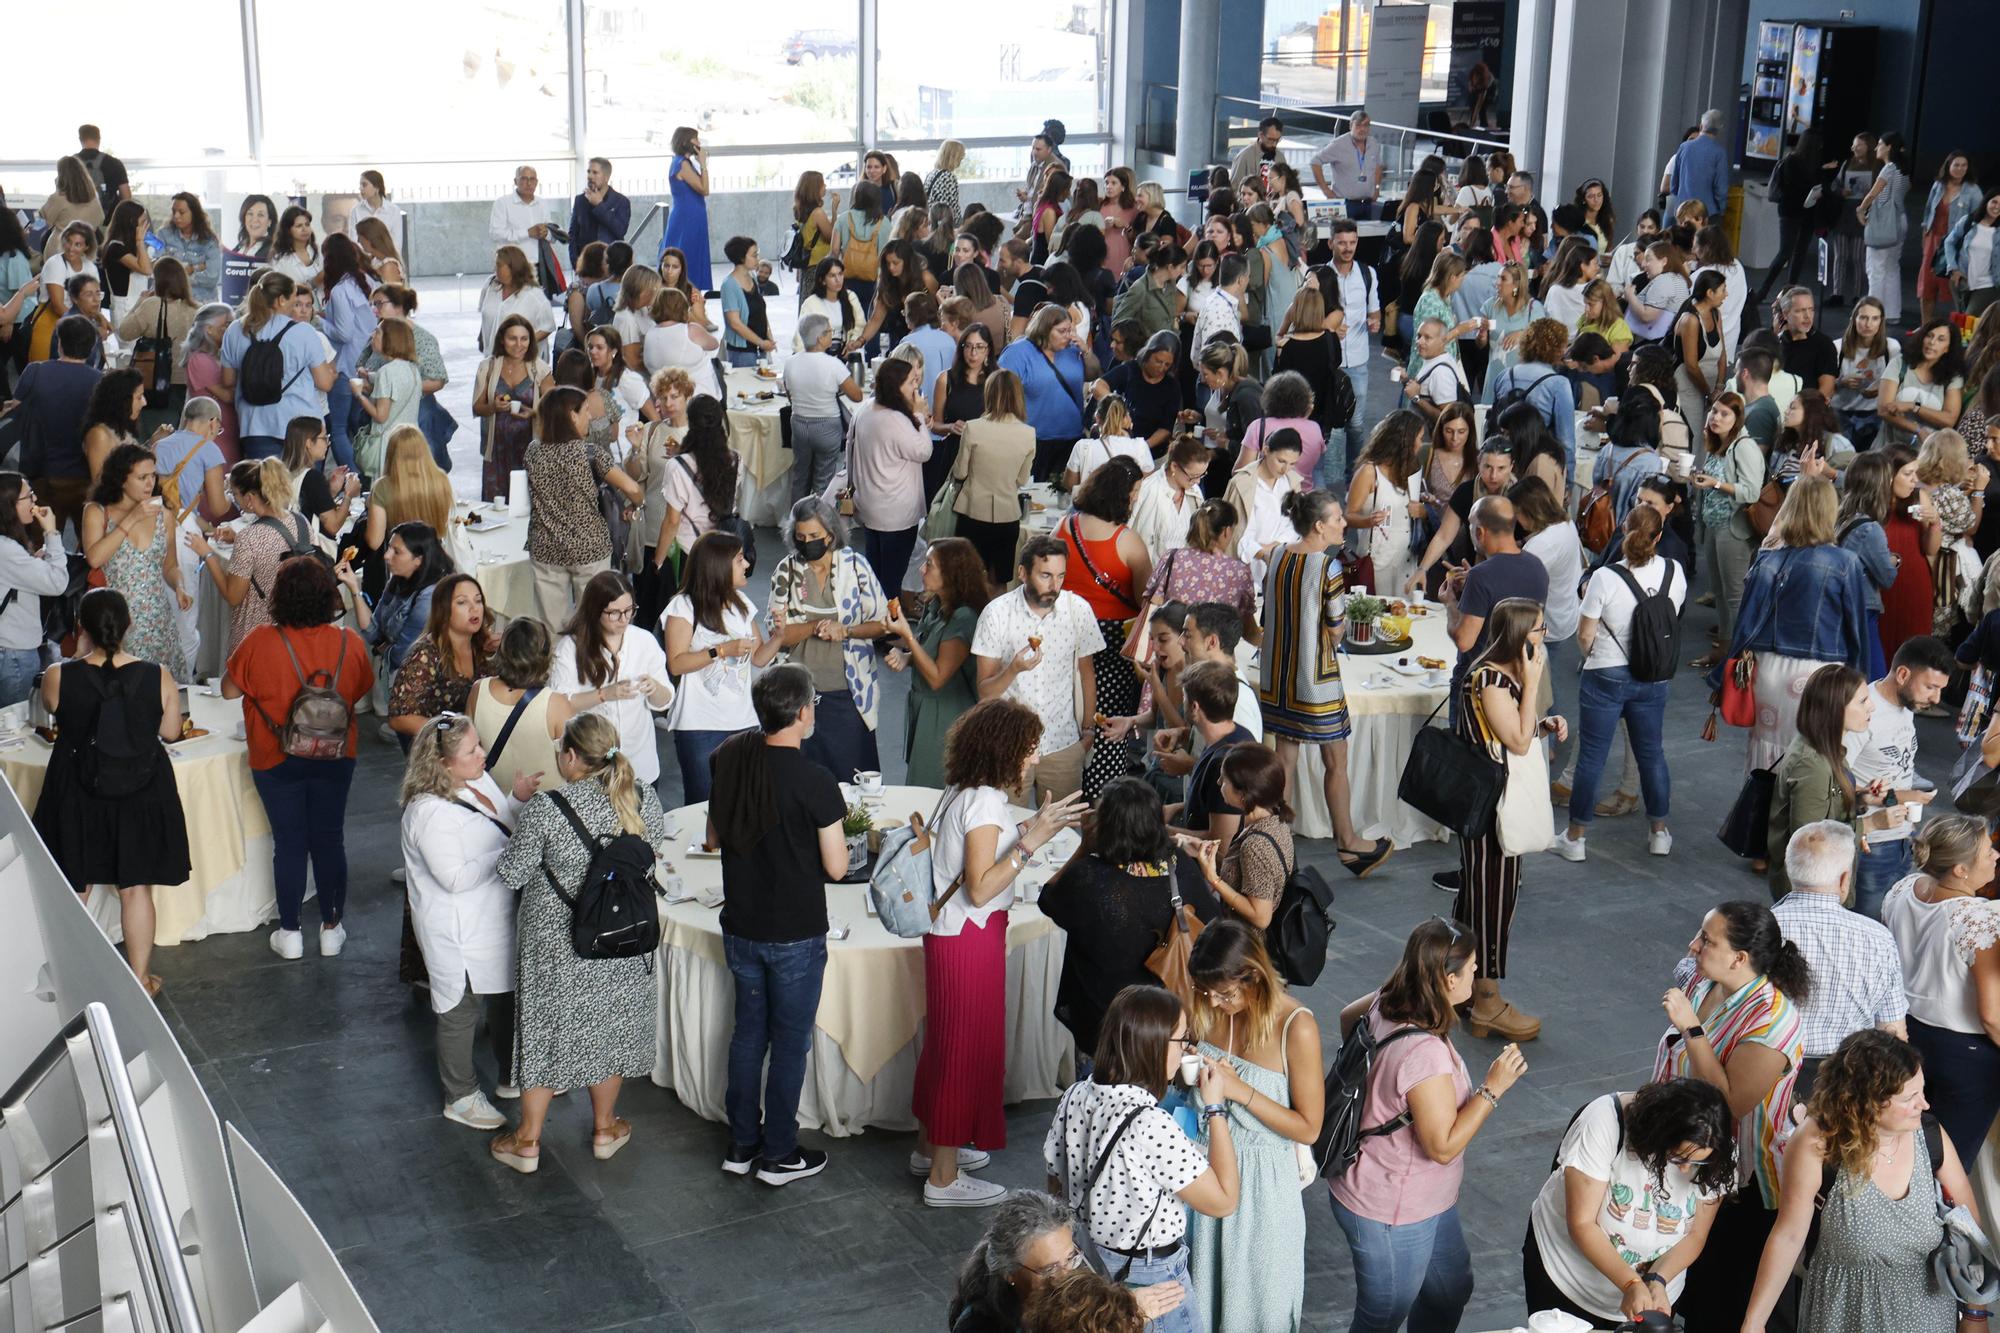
969,1159
399,876
474,1110
288,943
1568,848
387,733
1660,843
965,1192
332,939
507,1092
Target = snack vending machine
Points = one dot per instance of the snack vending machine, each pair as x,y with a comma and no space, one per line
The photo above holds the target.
1809,75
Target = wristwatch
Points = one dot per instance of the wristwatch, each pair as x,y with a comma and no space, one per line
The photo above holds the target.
714,653
1691,1032
1649,1275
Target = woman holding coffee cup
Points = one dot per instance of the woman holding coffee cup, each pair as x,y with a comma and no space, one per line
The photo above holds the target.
503,398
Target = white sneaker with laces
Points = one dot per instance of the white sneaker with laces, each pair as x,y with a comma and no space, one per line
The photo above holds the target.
475,1111
1660,843
288,943
332,939
969,1159
965,1192
1568,848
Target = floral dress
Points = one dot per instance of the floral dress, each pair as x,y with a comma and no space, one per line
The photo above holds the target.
1188,576
155,635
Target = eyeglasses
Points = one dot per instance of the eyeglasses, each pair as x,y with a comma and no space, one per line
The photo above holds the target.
1068,1264
612,613
1185,1043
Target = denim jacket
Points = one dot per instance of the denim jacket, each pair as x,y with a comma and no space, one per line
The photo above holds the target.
1870,545
1958,243
1807,602
202,259
1970,197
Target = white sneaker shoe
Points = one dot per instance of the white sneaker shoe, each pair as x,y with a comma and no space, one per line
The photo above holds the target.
332,939
1568,848
474,1110
965,1192
288,943
507,1092
387,733
969,1159
399,876
1660,843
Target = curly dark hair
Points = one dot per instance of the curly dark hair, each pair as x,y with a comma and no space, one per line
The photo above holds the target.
961,570
117,469
1107,492
1082,1301
304,595
1129,824
1665,1117
1853,1085
111,403
990,744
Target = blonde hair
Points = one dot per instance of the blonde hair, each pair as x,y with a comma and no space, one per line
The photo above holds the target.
1113,418
275,486
672,378
594,740
1262,987
1519,273
950,153
1003,398
438,741
1943,460
413,489
1946,842
1692,212
638,287
671,307
1150,195
1810,514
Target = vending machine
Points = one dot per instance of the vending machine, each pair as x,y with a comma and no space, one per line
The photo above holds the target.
1808,74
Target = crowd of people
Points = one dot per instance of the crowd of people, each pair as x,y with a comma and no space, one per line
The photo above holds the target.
1148,670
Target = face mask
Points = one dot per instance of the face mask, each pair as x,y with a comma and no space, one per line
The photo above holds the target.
811,550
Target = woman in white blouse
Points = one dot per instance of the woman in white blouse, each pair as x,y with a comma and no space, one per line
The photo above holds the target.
607,667
296,252
514,291
713,645
456,822
677,342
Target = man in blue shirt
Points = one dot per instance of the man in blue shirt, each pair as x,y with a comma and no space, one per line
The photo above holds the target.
1700,169
600,213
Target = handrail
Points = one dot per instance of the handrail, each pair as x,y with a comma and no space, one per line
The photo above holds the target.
156,1222
1346,118
659,208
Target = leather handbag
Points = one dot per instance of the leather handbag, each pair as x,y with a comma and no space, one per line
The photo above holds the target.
1739,689
1169,961
1746,828
1452,780
153,360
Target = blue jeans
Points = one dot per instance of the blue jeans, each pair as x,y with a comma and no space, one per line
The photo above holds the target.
842,740
339,403
306,802
741,356
1961,1079
438,426
1349,439
261,446
777,999
1876,872
1419,1271
18,669
889,554
1187,1317
693,748
1604,695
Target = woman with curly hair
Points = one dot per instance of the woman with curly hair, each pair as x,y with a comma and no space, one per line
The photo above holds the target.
129,534
1871,1164
1671,1145
977,850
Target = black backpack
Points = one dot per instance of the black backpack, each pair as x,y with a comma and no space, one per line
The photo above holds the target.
1302,922
731,524
615,912
110,761
1517,393
260,380
1340,1131
298,541
1653,640
58,611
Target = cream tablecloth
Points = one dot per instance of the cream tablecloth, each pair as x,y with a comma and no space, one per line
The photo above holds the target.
501,544
759,440
863,1061
229,840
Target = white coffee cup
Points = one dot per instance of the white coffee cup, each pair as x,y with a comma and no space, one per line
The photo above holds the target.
1191,1069
869,781
358,384
518,408
1436,677
1611,405
1916,811
1916,511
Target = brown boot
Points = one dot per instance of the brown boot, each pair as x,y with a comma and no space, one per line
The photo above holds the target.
1493,1016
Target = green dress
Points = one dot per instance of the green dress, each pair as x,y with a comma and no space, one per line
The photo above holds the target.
1249,1268
930,712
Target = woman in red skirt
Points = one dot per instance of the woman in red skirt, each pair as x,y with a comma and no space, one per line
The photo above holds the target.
1915,534
977,850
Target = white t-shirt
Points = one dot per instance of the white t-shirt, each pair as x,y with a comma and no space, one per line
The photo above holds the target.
813,380
1068,633
669,345
1443,381
1887,750
1474,196
632,392
639,657
717,697
1565,304
56,272
1610,603
1090,453
632,326
1561,553
976,807
1644,1220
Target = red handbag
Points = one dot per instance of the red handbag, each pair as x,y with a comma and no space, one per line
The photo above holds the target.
1739,695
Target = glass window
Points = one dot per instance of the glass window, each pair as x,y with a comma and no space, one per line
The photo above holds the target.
791,76
396,80
1000,80
51,86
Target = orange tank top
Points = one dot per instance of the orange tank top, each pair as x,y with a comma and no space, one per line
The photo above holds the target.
1103,558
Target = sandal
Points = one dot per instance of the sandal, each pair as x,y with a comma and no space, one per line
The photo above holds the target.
604,1146
152,984
506,1150
1363,864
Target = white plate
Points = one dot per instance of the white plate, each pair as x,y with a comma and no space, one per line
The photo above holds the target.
695,850
1412,670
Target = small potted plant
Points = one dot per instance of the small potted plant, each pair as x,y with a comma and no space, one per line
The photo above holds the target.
1362,613
854,827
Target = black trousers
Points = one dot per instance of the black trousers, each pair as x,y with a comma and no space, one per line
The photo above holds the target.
995,543
1795,249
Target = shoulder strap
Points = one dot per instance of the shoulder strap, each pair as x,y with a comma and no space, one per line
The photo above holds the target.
507,728
1076,535
1934,1141
582,832
1404,1119
486,815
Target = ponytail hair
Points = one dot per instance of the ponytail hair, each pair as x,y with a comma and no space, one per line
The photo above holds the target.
1642,536
261,302
1306,509
594,740
1210,521
266,478
1753,929
1946,842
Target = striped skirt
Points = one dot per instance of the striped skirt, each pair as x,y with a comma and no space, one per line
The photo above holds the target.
962,1069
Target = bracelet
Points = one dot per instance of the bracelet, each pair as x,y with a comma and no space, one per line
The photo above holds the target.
1213,1110
1487,1093
1967,1312
1649,1275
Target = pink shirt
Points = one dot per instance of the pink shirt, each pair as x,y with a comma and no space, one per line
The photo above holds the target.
1393,1182
1312,443
886,469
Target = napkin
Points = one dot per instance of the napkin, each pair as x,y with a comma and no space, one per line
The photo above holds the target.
517,492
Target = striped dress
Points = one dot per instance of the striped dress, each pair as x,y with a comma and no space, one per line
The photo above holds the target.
1761,1015
1299,685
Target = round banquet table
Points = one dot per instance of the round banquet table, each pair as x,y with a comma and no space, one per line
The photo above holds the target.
501,543
1385,710
758,437
863,1061
229,840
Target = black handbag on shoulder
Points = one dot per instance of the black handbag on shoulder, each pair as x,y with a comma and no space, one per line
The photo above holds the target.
1746,828
1452,780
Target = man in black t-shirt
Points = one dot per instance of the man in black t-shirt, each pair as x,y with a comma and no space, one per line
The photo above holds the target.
1026,287
776,816
1211,688
1804,350
107,173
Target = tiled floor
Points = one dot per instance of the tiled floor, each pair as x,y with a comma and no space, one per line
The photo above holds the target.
327,1066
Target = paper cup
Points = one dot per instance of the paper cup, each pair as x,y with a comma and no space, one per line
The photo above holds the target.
1190,1069
517,492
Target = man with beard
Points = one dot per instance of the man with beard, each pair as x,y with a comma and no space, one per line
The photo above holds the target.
1452,542
1886,754
1034,645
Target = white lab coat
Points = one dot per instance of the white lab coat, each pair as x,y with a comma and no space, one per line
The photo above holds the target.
462,912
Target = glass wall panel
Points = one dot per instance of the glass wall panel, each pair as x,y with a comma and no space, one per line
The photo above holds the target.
1050,58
